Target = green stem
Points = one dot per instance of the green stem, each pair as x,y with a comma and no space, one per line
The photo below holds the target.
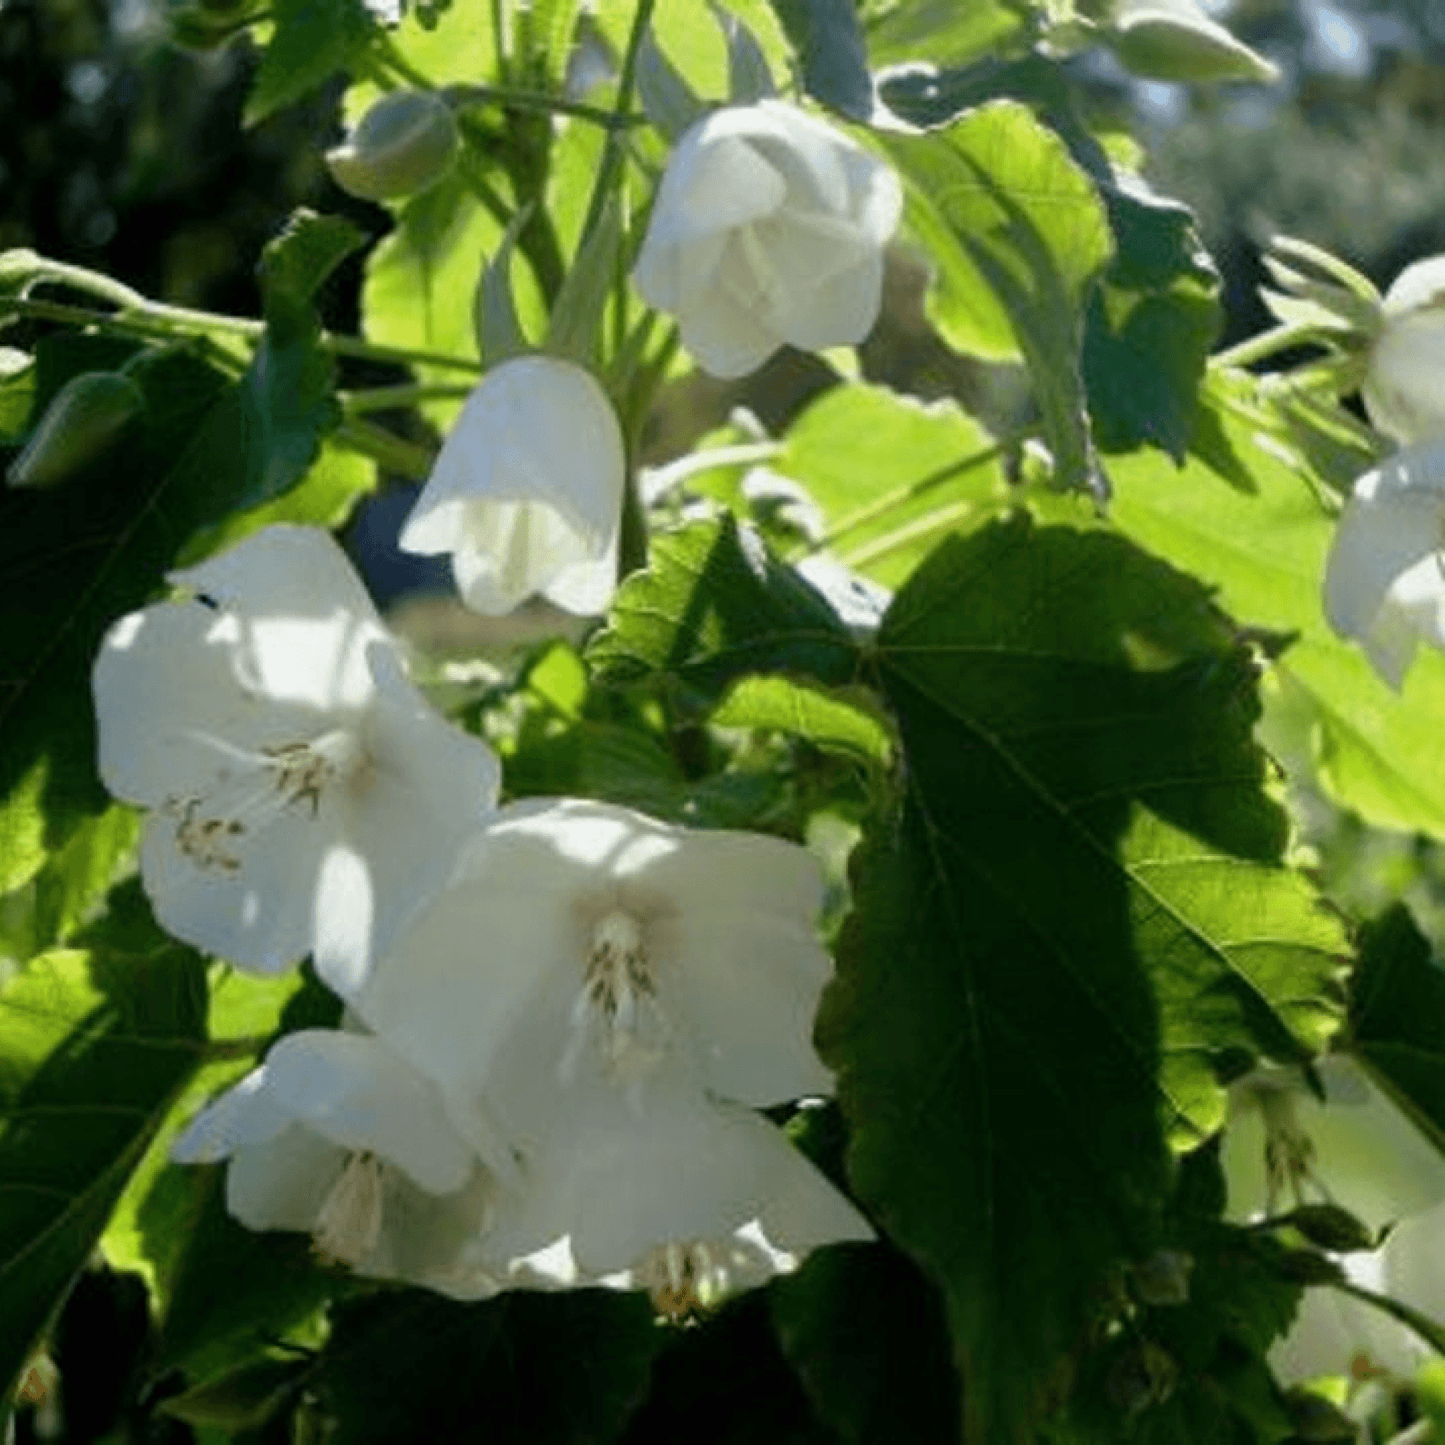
387,451
383,398
880,506
392,57
511,98
612,152
1268,343
155,320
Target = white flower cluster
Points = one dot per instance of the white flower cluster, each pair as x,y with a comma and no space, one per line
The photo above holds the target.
1385,576
561,1015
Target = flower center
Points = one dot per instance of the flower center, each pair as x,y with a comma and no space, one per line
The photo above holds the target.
348,1225
1289,1153
264,785
617,1003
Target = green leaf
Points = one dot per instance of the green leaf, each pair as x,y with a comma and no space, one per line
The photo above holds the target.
1247,515
1397,1018
891,473
526,1367
869,1340
1150,327
945,31
829,43
17,394
313,39
1018,235
76,877
727,1378
241,1399
97,1041
1083,893
844,721
307,251
712,605
72,562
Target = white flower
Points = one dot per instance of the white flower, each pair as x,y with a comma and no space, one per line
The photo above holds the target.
580,939
691,1200
768,228
305,796
1404,386
1283,1147
1384,579
526,493
335,1136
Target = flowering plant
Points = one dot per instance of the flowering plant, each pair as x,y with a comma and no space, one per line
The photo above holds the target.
793,924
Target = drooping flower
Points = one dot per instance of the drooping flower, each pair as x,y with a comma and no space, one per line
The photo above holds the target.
304,796
526,493
1384,579
336,1137
768,228
406,142
1282,1147
689,1200
1404,385
577,933
598,996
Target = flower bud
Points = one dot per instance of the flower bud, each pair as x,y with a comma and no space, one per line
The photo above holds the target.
1404,386
84,417
403,144
1176,40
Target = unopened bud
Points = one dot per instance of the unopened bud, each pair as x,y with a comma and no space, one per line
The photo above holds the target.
84,417
403,144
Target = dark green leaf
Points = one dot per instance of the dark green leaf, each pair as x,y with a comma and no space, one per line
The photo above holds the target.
241,1399
525,1367
71,562
1083,894
95,1044
1018,236
829,45
313,39
311,247
1397,1018
868,1337
727,1379
713,605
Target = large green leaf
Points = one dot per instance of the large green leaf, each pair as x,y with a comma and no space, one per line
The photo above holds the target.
1079,912
1397,1018
1247,515
96,1042
312,40
1018,235
891,473
713,605
944,31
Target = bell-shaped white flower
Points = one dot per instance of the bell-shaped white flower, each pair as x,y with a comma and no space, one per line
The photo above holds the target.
690,1200
768,228
526,492
1404,385
579,940
336,1137
1283,1147
1384,579
304,796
